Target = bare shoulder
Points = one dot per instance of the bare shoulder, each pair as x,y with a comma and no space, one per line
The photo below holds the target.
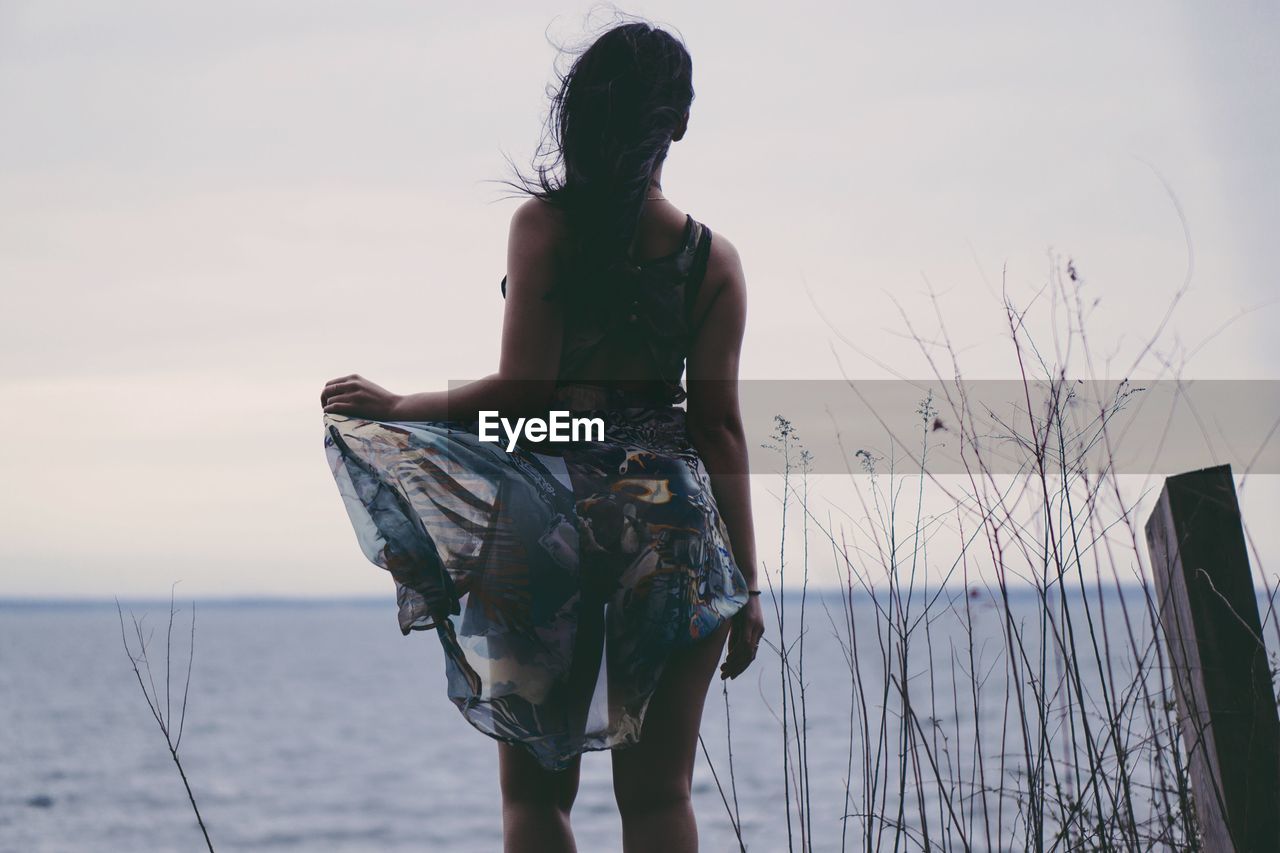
724,260
538,220
724,276
537,238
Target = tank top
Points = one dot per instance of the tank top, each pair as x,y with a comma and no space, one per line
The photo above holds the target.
644,306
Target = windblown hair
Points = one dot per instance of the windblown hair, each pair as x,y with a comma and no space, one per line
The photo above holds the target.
610,124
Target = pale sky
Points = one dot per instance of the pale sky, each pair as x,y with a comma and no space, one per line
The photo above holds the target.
209,209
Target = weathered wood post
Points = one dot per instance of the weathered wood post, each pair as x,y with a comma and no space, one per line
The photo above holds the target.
1226,704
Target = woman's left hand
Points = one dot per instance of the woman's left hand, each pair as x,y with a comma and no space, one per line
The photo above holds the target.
746,629
354,395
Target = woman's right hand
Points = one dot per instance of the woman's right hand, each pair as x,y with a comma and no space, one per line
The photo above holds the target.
358,397
745,631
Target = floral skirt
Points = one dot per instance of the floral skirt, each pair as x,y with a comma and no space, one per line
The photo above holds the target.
557,584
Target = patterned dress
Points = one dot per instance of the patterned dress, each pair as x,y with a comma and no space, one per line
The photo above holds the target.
558,579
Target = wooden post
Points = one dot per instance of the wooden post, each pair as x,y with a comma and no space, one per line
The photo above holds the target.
1226,703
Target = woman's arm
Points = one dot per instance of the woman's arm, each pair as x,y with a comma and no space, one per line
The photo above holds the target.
715,428
531,332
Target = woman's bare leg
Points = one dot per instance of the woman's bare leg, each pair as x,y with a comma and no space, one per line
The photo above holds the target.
652,780
535,803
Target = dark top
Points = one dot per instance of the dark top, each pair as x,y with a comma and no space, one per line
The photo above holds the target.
646,305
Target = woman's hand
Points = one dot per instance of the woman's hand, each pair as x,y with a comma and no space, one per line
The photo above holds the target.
354,395
745,632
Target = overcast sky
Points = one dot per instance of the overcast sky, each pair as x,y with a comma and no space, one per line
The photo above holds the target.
208,209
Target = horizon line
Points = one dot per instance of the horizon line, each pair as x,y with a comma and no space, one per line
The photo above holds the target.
1019,589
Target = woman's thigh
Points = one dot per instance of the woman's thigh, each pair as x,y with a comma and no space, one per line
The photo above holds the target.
661,764
526,782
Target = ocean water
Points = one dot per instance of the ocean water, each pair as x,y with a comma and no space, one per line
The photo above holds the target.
317,726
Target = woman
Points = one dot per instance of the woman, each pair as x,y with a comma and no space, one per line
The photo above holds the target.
583,592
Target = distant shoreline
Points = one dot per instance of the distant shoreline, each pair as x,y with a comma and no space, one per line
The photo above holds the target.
815,595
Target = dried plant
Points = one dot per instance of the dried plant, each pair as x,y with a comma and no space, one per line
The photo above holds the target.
1043,622
162,706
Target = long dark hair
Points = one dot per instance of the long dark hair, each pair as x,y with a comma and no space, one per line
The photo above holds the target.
612,118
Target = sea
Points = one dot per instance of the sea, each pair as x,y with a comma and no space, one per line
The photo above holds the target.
318,726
